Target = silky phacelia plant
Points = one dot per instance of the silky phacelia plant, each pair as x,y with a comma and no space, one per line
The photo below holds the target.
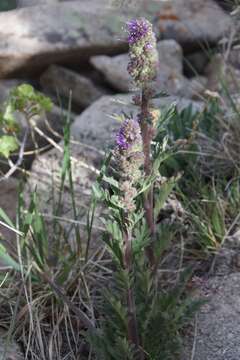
139,320
143,53
129,160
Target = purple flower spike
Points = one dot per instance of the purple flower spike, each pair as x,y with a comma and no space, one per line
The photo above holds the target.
143,64
129,158
121,141
137,30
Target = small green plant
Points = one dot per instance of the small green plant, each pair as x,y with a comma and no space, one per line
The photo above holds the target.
23,99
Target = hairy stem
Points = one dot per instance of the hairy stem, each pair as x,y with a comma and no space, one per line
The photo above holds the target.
133,336
146,129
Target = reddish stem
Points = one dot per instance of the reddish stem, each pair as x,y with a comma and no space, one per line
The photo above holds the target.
146,130
133,336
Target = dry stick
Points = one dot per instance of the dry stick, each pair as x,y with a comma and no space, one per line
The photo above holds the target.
132,328
148,202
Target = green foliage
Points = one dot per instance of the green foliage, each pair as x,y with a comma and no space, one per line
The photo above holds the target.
208,216
160,314
8,144
25,99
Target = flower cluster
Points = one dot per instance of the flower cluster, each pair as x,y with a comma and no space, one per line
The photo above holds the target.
143,53
129,157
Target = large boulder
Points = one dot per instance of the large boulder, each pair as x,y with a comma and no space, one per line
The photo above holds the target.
37,36
57,80
98,124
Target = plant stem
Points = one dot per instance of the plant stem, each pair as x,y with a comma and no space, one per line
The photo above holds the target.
133,336
146,129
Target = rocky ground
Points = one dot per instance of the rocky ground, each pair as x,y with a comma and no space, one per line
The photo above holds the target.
79,46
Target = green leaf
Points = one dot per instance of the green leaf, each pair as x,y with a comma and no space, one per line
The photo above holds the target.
25,90
8,144
7,259
5,218
163,193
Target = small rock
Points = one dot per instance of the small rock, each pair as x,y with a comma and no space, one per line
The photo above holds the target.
97,125
59,80
218,327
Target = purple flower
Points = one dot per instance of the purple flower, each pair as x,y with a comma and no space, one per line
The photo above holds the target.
129,134
137,30
129,159
122,141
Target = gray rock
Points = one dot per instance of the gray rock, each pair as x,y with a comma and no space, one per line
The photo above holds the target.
218,327
169,75
59,80
71,32
6,86
190,22
97,125
65,32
